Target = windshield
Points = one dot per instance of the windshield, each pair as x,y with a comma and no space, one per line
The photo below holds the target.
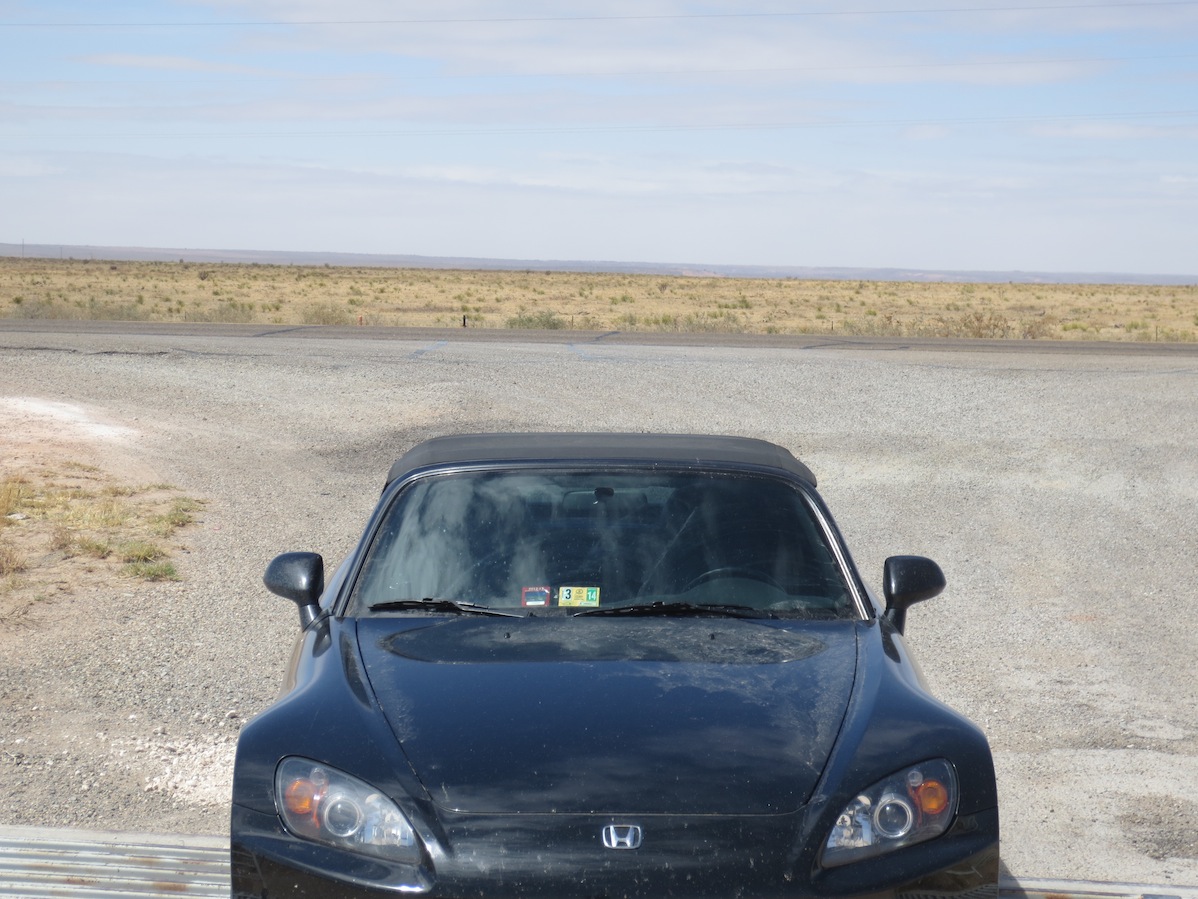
565,542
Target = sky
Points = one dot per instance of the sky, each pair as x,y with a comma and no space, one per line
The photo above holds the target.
995,135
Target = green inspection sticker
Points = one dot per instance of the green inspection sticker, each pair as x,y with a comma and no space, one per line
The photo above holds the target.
578,596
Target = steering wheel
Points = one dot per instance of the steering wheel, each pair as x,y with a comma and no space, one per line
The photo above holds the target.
740,571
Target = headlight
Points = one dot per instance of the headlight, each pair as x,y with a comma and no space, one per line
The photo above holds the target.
908,807
320,803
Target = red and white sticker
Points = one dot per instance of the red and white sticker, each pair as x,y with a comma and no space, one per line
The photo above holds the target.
535,596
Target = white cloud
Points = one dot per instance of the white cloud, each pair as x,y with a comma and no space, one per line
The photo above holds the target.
169,64
1115,130
19,166
616,178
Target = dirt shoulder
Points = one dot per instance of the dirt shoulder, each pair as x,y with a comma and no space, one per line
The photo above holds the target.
89,534
77,510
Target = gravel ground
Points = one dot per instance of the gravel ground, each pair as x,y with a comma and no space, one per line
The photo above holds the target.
1057,490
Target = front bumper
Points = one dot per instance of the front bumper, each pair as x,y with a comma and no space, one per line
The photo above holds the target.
690,858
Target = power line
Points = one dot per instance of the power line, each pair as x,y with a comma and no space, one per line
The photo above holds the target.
631,129
647,73
279,23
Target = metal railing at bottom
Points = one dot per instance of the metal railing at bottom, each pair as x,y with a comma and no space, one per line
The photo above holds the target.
60,863
1031,888
49,863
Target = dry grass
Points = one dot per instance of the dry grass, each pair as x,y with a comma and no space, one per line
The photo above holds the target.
283,295
70,528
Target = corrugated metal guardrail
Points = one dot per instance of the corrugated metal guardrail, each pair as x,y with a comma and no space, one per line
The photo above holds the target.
52,863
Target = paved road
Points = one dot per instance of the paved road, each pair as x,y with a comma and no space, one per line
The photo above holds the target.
614,338
1055,483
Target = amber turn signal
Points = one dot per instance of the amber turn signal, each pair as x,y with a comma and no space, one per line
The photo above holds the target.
299,797
931,796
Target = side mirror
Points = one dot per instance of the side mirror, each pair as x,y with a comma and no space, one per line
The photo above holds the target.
298,577
907,580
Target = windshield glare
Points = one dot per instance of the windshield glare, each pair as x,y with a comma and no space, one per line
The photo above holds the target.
579,540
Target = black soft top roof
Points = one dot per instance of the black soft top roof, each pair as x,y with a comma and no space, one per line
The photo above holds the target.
685,449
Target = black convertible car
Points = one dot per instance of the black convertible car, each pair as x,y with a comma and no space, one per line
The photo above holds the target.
607,665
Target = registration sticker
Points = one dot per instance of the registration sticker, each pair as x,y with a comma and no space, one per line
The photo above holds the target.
535,596
578,596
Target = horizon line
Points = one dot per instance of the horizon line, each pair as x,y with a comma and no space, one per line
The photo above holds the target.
88,252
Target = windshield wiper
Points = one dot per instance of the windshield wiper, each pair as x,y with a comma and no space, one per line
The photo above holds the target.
682,609
432,604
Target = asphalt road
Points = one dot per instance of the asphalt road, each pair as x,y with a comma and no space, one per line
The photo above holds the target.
1055,483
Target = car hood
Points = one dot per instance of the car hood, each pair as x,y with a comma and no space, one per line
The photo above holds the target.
602,716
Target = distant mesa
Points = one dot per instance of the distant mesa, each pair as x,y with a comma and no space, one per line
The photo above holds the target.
698,270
